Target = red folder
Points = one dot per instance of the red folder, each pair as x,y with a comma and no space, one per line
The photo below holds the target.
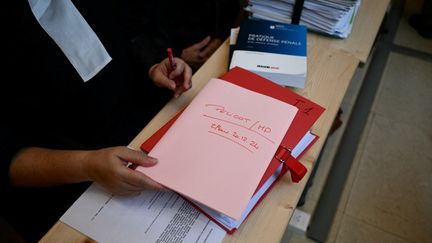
151,142
308,113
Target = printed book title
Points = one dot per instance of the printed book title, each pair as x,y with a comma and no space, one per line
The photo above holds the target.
269,39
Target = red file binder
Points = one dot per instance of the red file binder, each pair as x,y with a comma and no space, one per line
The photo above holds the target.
277,173
308,113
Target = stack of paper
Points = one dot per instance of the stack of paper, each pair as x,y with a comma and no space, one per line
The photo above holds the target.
154,216
332,17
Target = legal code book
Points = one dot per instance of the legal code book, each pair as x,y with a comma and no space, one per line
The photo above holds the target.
274,50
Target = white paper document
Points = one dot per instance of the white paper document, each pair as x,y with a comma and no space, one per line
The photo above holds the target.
333,17
152,216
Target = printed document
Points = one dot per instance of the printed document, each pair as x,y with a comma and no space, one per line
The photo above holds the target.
152,216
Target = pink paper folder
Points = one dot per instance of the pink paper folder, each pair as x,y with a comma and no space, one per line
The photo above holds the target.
266,184
221,145
303,121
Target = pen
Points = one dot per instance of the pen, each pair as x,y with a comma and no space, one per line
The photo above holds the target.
170,58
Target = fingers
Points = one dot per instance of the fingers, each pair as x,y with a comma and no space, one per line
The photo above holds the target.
131,180
187,77
107,167
168,83
179,80
202,44
180,67
206,52
125,189
210,48
139,181
182,76
159,74
136,157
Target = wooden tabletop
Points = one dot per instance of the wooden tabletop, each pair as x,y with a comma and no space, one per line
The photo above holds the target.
331,65
329,74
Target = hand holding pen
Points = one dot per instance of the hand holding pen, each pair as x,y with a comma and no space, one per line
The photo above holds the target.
170,59
172,73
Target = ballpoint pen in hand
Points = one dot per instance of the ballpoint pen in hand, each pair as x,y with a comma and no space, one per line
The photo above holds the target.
170,58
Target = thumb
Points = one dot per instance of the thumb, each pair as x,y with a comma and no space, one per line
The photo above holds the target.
202,43
137,157
166,82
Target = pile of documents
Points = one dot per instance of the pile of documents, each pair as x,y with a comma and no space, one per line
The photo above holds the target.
220,156
332,17
244,146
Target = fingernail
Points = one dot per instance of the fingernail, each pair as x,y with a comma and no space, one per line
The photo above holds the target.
153,160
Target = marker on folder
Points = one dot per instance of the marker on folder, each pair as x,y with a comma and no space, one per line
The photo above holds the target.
170,58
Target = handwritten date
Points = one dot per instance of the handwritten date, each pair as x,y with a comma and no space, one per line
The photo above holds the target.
235,136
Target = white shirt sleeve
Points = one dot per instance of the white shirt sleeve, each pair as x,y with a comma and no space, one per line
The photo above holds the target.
70,31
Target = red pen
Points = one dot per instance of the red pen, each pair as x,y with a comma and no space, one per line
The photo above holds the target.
170,58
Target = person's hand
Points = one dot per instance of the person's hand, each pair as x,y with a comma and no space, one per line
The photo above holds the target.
178,80
210,49
108,167
192,54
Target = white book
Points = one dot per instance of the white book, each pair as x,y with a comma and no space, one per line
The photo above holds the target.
274,50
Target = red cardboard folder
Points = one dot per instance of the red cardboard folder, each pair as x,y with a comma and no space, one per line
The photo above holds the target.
308,113
213,215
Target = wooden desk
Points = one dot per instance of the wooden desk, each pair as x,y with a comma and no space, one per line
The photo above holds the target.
331,65
330,72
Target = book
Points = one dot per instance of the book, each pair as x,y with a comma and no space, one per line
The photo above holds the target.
298,139
274,50
220,145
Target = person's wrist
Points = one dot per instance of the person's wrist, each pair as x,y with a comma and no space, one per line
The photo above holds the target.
86,168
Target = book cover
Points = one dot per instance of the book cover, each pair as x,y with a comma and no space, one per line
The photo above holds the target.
274,50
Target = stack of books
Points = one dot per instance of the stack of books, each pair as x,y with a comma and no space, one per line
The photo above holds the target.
331,17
